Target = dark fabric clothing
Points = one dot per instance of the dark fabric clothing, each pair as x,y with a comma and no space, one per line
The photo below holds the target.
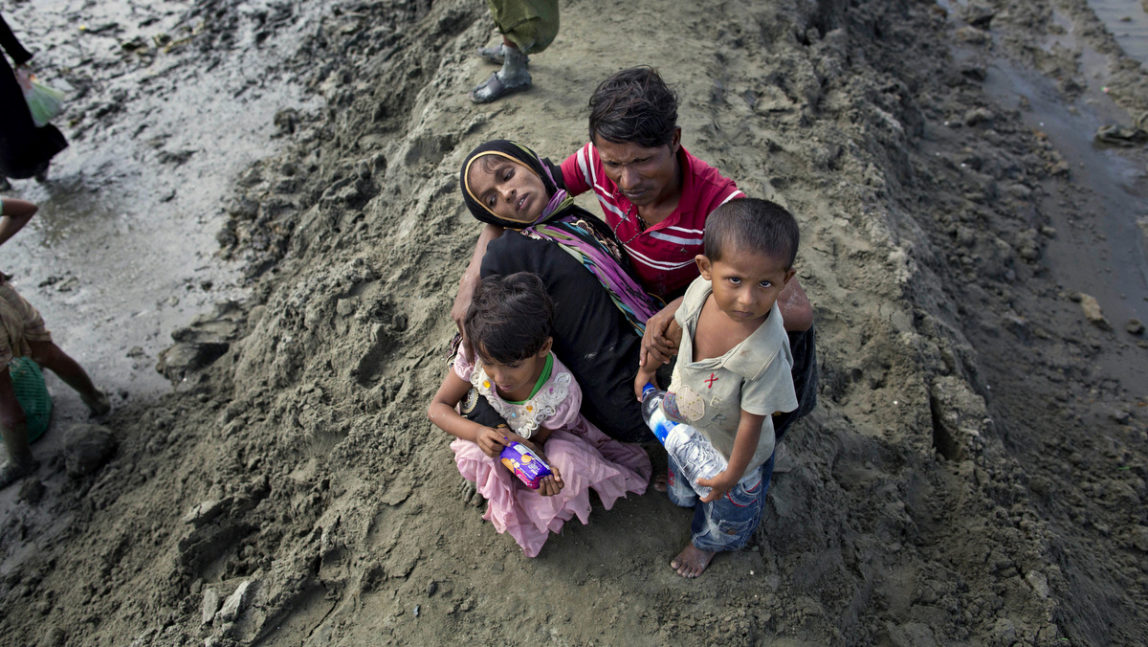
25,150
803,345
590,334
11,45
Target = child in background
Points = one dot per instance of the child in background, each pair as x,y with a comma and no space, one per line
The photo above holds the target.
508,329
733,371
23,334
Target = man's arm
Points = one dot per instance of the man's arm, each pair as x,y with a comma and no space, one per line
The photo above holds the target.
576,170
796,311
13,217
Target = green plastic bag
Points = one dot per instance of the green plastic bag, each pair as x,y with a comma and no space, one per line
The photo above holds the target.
44,103
32,394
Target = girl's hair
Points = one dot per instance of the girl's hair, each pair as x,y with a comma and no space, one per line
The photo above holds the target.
510,317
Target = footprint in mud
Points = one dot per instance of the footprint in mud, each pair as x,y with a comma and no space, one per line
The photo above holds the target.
429,150
384,340
371,365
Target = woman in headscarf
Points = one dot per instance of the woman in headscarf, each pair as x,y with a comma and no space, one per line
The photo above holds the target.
25,149
600,309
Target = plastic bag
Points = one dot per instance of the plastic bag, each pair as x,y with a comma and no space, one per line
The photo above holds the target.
43,102
32,394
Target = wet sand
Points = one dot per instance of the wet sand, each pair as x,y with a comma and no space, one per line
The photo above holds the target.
974,473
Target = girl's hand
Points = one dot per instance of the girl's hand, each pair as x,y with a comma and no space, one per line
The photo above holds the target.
491,441
720,485
552,484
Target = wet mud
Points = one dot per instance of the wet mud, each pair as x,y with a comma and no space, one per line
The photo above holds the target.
974,473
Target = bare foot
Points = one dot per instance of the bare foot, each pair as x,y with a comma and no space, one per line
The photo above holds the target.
692,561
14,471
98,406
661,482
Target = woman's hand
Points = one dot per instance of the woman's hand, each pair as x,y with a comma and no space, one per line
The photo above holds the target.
720,485
658,343
472,275
462,300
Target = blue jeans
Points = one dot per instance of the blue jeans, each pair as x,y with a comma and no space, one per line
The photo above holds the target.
729,522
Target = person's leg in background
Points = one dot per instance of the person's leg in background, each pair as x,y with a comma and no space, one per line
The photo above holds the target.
527,26
52,357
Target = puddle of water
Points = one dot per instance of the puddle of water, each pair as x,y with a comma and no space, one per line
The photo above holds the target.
1101,252
1128,22
1116,181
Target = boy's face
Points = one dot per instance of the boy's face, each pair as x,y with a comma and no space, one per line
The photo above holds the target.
745,284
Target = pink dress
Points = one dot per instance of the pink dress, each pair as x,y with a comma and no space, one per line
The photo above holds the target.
586,458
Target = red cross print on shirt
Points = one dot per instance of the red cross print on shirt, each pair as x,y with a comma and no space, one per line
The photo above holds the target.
710,381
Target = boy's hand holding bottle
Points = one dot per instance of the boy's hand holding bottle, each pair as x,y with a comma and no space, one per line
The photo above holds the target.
719,485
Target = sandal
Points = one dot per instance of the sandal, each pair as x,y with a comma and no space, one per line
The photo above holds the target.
494,88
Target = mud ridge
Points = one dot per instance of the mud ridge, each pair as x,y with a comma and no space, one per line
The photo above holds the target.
974,473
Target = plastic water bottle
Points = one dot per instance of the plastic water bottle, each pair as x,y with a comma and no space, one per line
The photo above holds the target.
692,452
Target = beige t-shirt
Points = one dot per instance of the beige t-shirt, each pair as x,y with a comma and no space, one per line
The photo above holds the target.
755,376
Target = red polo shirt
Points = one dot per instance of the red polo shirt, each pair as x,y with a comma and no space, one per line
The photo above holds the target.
663,255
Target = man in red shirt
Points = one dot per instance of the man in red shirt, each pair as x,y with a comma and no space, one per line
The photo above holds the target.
655,196
656,199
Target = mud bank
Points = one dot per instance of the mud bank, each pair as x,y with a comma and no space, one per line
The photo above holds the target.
974,474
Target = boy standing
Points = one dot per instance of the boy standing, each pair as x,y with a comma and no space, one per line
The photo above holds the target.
733,371
22,334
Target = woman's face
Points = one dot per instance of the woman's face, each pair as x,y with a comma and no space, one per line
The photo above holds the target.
508,189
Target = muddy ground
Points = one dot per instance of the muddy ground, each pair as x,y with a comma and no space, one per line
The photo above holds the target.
974,474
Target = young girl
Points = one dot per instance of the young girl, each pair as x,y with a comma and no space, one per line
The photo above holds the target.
508,326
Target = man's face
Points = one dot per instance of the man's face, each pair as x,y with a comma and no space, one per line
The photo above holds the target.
644,175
